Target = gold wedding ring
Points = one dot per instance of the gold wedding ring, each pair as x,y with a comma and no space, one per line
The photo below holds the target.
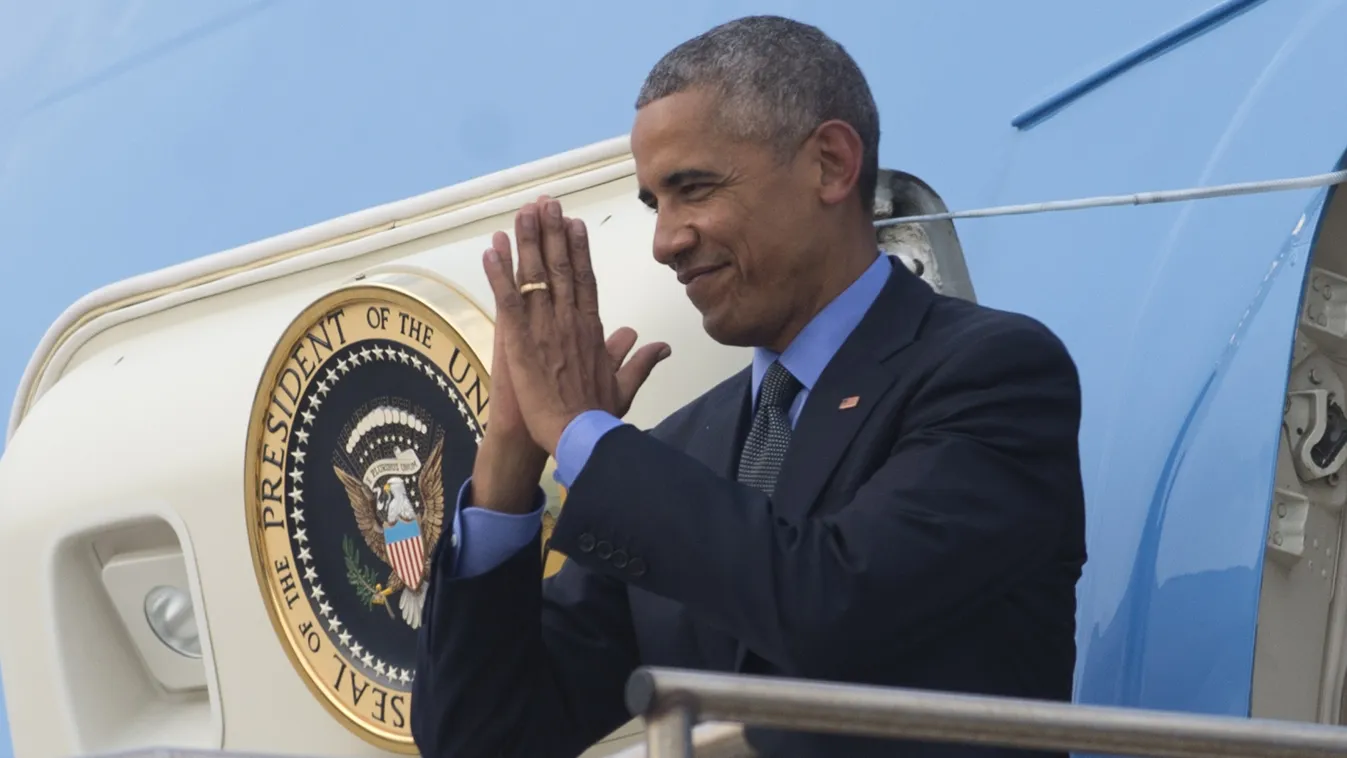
524,289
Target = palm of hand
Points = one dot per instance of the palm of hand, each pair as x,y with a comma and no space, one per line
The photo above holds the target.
551,362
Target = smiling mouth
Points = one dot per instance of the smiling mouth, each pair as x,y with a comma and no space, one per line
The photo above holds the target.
687,277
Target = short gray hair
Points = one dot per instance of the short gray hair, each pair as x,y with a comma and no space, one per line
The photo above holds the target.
779,80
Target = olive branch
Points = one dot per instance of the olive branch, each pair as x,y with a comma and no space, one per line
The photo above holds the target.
362,578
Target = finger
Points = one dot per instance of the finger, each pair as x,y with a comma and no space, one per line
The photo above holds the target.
500,243
499,379
527,239
499,361
556,254
631,376
509,303
500,247
619,344
586,288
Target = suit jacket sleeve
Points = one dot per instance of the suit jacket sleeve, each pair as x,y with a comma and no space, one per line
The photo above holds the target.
492,680
973,494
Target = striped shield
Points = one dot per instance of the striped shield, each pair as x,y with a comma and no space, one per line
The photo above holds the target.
405,552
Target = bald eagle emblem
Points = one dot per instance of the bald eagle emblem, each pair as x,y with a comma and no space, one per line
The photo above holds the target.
398,503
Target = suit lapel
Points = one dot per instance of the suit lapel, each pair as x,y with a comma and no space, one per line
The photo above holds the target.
861,370
717,442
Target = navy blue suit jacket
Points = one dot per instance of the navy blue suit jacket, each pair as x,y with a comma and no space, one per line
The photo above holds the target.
929,537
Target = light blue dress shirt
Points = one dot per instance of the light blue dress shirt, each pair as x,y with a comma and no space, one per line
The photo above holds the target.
488,538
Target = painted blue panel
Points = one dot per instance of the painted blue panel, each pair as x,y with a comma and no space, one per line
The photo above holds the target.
1177,279
1182,634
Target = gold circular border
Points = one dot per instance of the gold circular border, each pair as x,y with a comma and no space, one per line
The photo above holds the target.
413,292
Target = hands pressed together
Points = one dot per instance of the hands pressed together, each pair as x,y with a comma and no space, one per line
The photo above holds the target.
551,362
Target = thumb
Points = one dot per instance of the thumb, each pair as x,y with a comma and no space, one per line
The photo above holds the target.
631,376
619,344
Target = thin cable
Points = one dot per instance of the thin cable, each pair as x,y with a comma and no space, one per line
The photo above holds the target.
1139,198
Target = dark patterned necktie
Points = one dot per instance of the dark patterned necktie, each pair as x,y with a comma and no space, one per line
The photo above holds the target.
768,438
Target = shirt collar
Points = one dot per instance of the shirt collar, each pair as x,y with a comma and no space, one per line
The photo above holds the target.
812,349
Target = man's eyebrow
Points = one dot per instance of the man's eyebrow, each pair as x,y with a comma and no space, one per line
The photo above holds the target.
676,179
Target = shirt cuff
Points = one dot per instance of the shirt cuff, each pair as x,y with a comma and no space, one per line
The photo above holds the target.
488,538
577,443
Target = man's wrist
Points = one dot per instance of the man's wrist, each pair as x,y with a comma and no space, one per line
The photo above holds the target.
578,441
505,477
556,430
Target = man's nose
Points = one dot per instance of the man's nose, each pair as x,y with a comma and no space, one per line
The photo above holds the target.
671,240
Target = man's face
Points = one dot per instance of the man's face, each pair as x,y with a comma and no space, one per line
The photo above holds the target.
735,221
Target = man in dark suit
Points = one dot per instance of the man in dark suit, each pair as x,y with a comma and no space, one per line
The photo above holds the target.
889,494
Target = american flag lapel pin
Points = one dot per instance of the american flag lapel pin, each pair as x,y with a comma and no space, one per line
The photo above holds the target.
849,402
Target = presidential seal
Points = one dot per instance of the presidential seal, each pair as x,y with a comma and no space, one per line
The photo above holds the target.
364,428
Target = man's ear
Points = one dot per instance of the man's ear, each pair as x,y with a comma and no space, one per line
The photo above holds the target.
838,149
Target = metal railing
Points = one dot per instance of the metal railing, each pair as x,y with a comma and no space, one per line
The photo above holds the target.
673,701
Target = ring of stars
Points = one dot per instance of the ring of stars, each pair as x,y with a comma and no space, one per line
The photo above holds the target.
350,359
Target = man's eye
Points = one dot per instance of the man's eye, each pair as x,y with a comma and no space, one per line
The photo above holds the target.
697,188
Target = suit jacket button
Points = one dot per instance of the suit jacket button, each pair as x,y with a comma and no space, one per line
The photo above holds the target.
619,558
603,550
636,567
586,542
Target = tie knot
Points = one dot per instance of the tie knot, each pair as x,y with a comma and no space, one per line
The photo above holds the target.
779,387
